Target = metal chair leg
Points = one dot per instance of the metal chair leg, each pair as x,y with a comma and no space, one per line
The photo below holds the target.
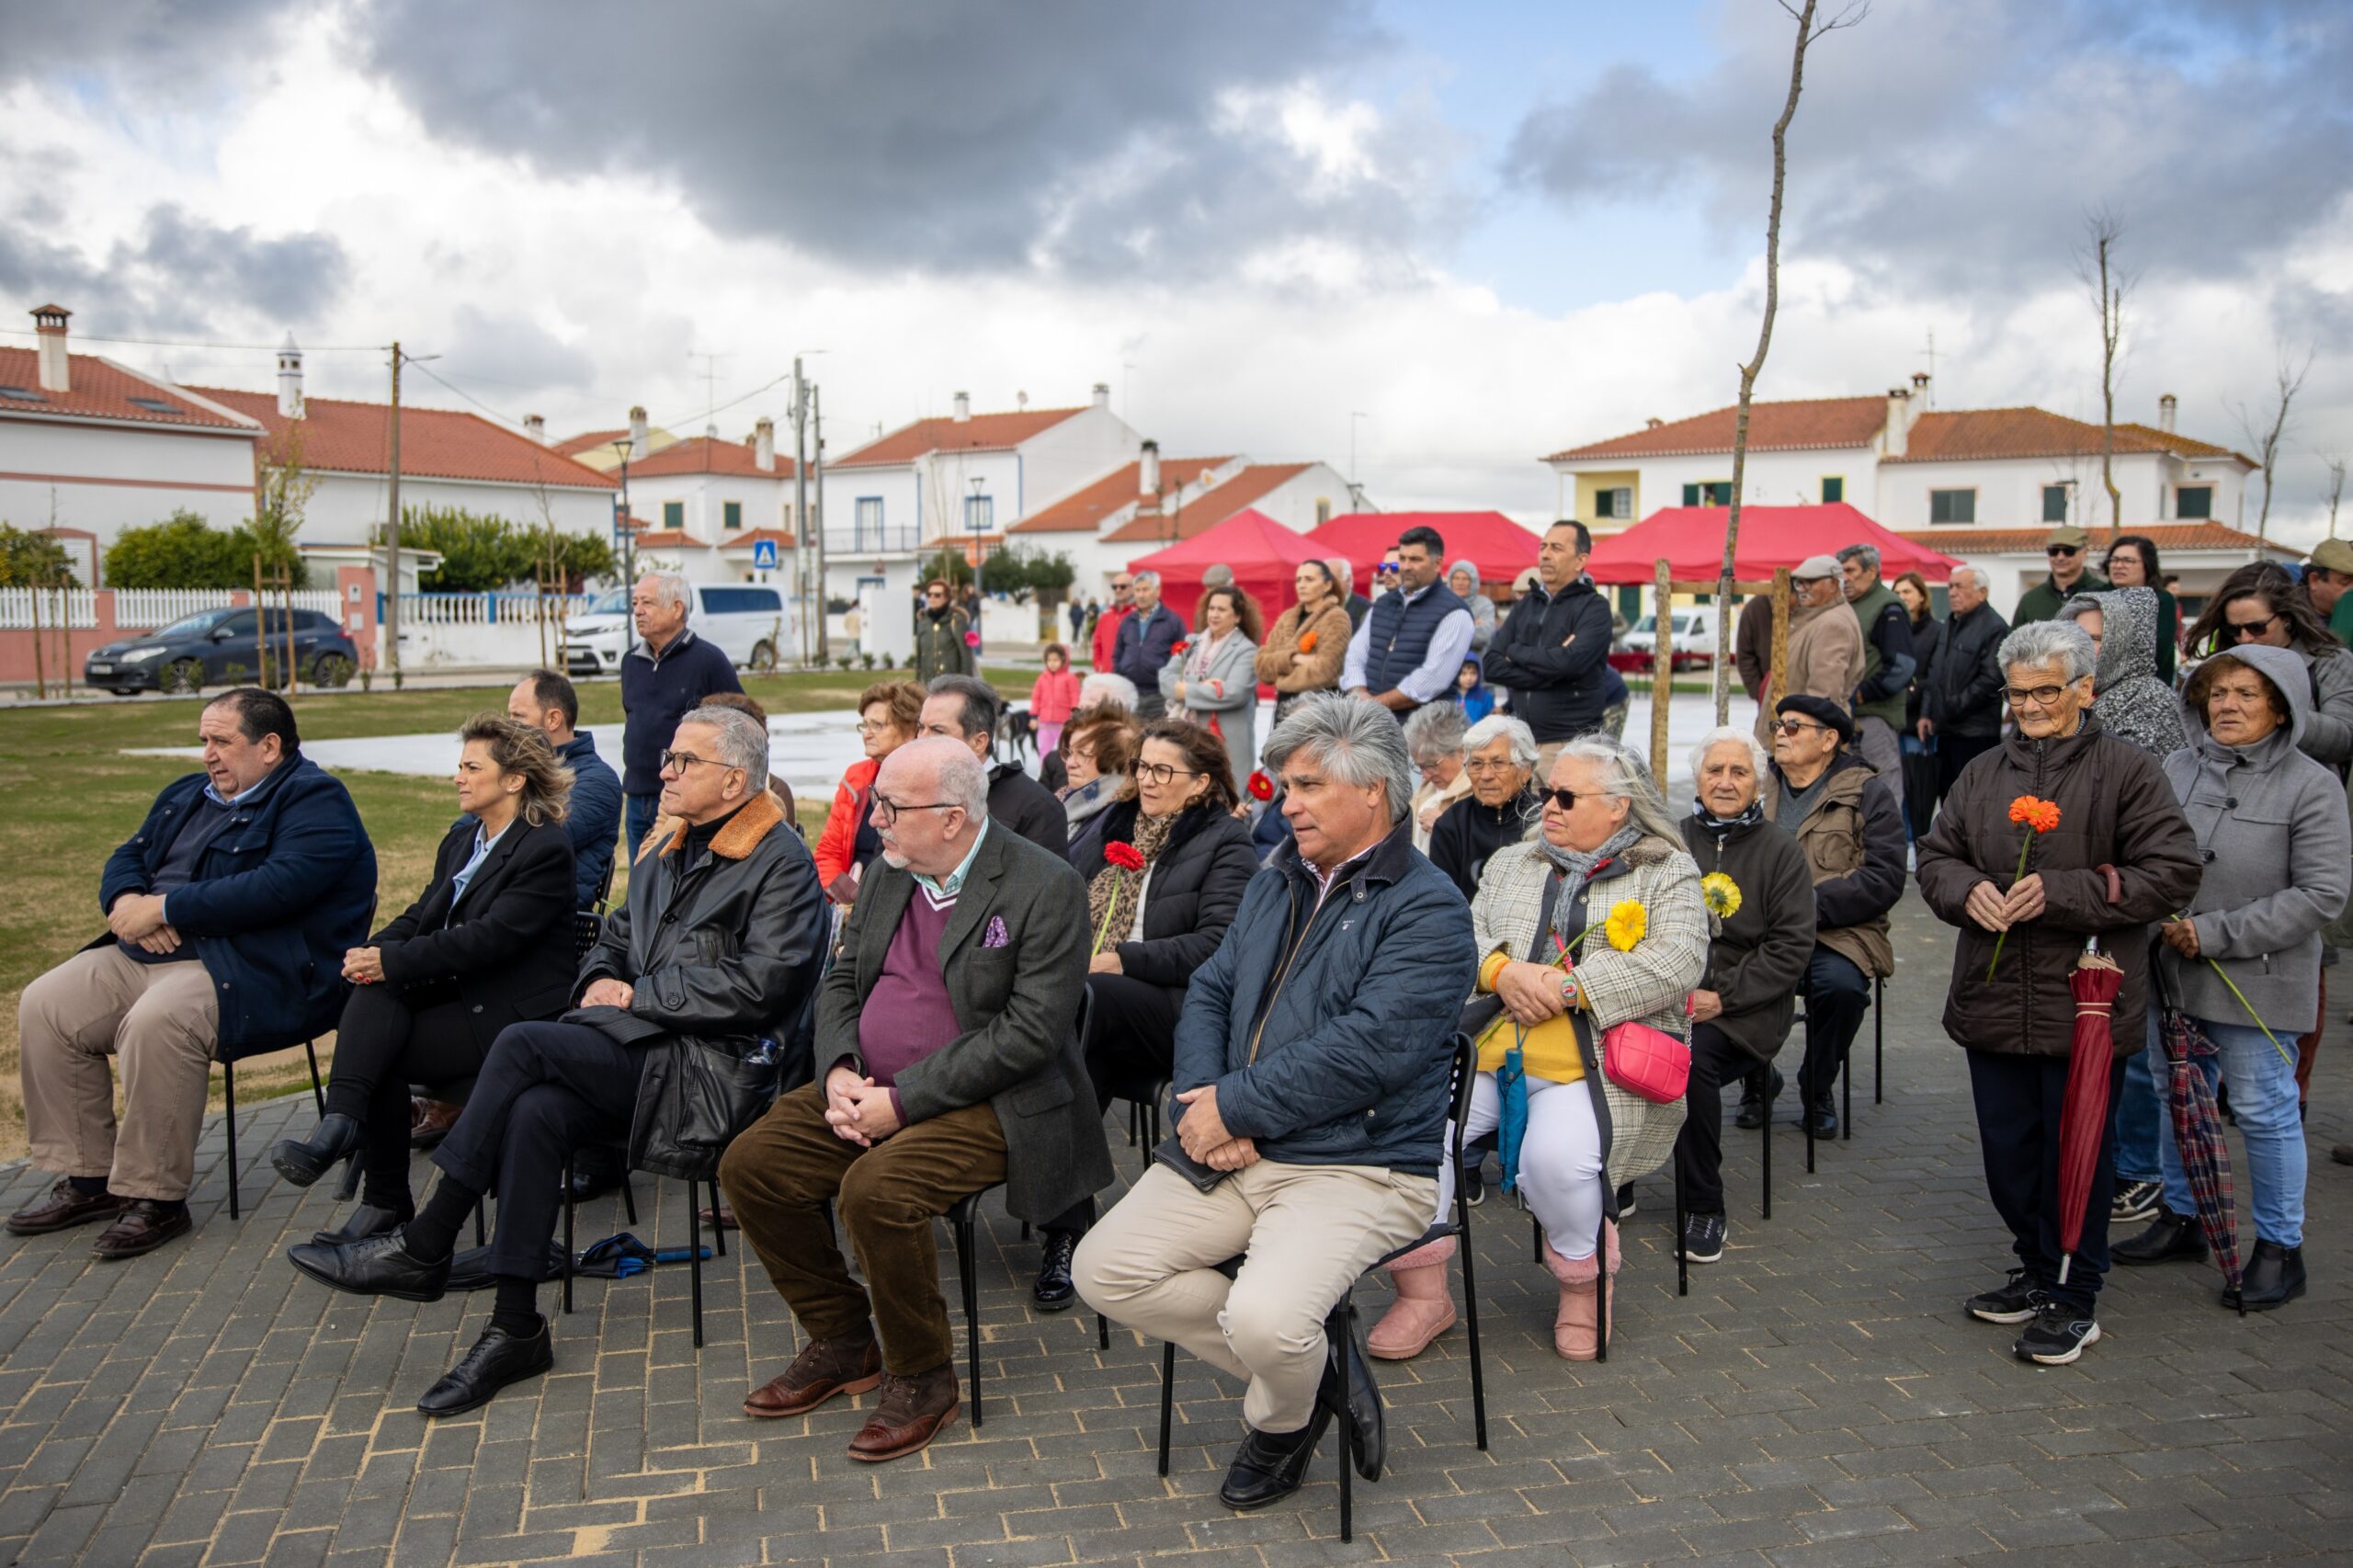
968,1275
1470,1312
1805,1119
1601,1286
629,1198
1347,1436
1879,1038
1846,1088
1102,1331
718,1231
229,1121
694,1257
567,1232
1682,1252
1766,1144
318,1090
482,1235
1167,1396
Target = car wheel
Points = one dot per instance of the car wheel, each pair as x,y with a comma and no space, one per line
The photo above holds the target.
331,670
124,690
184,675
763,657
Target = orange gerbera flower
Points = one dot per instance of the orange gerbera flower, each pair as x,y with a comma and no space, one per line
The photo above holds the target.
2030,812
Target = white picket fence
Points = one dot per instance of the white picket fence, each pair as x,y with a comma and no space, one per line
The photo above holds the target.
135,609
486,610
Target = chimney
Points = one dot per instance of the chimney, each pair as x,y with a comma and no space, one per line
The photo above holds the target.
1899,420
764,444
964,408
536,427
48,321
637,434
1150,467
1103,394
2165,412
1653,423
1022,400
290,378
1920,391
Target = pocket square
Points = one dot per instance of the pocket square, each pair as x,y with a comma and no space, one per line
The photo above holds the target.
995,936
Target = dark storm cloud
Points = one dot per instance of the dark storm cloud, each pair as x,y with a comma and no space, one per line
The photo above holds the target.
1959,145
180,275
980,135
163,43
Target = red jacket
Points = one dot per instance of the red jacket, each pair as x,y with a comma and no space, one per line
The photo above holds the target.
838,843
1107,634
1055,697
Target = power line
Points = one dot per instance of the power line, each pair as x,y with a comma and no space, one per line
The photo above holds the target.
501,418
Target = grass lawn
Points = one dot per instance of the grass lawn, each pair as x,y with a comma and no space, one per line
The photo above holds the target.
73,797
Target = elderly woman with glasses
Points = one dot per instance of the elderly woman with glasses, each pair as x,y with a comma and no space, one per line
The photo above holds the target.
1596,921
888,715
1434,740
2118,857
1504,807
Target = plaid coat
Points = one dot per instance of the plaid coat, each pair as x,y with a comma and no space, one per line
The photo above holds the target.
1651,983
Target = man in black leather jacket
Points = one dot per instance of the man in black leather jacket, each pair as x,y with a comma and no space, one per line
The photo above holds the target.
719,943
1961,701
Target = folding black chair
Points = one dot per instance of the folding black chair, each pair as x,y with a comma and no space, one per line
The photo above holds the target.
1339,1324
229,1111
963,1225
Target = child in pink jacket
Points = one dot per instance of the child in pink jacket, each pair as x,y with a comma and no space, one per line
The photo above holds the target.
1053,699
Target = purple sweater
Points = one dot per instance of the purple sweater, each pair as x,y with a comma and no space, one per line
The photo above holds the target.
907,1016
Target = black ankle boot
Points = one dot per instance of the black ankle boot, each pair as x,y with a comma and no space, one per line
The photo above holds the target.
2274,1277
2169,1235
304,1163
1758,1091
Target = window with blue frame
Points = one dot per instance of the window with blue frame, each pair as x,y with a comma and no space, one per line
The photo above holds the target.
980,514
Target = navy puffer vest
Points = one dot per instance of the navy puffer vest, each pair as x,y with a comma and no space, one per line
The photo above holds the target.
1400,633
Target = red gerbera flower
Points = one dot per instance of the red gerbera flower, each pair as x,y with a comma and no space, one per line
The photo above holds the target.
1179,646
1126,856
1261,787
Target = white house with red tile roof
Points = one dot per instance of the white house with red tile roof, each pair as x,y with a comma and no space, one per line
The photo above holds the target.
708,503
92,447
1983,485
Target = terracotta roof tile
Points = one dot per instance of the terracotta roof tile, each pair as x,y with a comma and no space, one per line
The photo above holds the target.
668,539
704,454
588,441
780,538
1085,509
1773,427
338,437
1977,434
1205,511
2029,542
980,433
103,390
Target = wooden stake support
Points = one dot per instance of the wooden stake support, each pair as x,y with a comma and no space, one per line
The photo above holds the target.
1663,589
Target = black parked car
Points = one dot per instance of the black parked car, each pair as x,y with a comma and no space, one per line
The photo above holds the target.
216,647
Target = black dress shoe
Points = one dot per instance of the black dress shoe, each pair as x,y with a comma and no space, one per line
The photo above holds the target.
2274,1277
595,1171
304,1161
1053,1292
497,1359
1756,1098
1369,1445
1270,1466
365,1221
1822,1117
379,1266
2169,1235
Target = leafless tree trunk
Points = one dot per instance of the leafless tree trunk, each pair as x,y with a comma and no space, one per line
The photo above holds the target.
2108,283
2264,429
1808,29
2335,491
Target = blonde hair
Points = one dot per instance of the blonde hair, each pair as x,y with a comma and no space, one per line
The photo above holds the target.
519,748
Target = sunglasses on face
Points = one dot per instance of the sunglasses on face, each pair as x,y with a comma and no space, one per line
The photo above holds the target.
1566,799
2056,550
2243,629
1796,726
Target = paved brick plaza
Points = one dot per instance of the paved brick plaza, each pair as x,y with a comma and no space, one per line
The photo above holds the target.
1817,1398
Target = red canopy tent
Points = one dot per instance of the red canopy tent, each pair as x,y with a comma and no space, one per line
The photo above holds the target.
1691,540
1498,547
1264,556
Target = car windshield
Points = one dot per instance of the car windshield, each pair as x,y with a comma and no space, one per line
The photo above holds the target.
196,625
612,601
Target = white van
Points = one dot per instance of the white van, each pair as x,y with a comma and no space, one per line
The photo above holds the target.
1691,635
751,621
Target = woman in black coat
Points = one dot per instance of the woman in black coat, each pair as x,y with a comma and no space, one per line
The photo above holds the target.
1505,805
1150,929
489,943
1920,761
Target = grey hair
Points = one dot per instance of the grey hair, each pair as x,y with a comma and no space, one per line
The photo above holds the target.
1866,553
1624,777
963,781
1974,574
1433,731
1484,734
981,705
670,588
1758,756
1357,742
2038,642
1116,689
742,741
1139,579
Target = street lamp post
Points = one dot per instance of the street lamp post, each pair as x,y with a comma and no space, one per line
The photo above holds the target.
980,552
629,519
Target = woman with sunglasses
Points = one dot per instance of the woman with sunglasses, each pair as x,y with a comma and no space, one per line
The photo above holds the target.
2258,605
1149,930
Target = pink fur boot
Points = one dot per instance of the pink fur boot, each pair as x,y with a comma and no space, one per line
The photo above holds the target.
1576,1332
1424,1307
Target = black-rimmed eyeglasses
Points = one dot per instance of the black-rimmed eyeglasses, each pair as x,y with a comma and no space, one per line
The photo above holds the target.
886,809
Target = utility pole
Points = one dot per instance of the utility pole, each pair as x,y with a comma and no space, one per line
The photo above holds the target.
800,500
392,533
817,525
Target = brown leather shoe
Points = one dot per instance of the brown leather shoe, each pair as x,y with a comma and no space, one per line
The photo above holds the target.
430,1122
913,1412
722,1218
64,1208
146,1224
824,1369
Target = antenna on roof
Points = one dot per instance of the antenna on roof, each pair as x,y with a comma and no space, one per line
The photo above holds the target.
1929,386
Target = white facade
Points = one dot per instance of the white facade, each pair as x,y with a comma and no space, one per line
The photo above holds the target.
88,474
348,509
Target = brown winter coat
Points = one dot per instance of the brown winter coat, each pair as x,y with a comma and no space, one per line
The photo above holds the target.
1853,841
1322,671
1825,659
2115,810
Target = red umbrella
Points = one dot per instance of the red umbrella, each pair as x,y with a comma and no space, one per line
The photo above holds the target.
2082,1120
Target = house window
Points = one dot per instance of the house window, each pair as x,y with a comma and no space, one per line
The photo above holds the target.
869,522
1834,488
2054,502
1322,510
979,513
1953,505
674,514
730,514
2194,501
1708,493
1616,504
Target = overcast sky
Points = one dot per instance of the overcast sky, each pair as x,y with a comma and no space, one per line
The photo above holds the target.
1489,229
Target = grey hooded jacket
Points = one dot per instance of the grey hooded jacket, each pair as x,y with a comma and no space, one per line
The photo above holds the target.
2131,701
2272,830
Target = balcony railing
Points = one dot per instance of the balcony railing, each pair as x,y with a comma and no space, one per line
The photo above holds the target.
872,541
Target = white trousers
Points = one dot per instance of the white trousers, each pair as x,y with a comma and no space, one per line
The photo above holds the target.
1560,1159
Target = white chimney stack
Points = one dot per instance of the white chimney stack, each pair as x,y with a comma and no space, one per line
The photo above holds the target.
764,444
2166,409
1103,394
56,374
1150,467
637,435
535,425
290,378
1920,391
964,408
1899,421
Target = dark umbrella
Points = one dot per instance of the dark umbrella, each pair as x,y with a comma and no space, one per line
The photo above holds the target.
2198,1134
2083,1120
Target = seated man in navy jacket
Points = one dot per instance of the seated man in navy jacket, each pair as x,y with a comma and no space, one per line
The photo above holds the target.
228,914
592,820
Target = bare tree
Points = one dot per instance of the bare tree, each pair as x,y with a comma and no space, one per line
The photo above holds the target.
2265,428
1808,29
2110,283
2335,491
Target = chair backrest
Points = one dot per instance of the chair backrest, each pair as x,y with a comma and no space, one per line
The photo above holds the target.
587,926
1463,1076
604,890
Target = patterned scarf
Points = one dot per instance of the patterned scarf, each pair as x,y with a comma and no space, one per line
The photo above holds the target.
1579,867
1723,826
1115,893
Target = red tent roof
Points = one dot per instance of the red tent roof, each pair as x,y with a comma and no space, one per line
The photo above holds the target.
1498,547
1692,540
1264,556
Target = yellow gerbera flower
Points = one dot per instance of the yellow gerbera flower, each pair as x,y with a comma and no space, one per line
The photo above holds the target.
1721,894
1627,923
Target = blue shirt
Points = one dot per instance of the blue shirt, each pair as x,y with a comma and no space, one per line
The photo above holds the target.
482,852
953,883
